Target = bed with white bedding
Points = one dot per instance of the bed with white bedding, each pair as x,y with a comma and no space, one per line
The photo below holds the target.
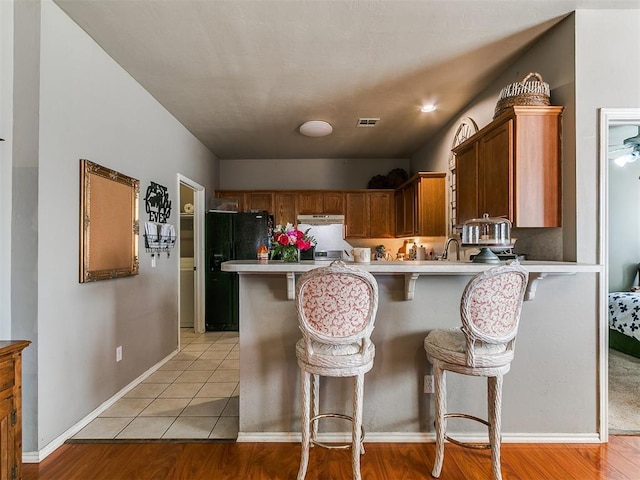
624,322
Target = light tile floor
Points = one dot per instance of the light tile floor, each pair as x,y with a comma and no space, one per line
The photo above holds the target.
192,396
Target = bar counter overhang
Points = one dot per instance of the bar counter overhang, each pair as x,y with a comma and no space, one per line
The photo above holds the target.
551,394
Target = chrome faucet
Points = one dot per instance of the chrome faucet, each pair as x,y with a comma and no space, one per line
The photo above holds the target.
445,253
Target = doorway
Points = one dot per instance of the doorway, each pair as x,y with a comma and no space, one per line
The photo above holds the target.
191,249
187,264
620,173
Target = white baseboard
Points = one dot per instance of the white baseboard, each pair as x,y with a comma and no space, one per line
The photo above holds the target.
38,456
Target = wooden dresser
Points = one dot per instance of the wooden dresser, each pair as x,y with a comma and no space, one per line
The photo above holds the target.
11,408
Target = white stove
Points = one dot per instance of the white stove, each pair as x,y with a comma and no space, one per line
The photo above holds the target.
328,255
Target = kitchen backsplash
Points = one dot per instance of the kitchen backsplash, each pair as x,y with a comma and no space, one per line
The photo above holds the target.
544,244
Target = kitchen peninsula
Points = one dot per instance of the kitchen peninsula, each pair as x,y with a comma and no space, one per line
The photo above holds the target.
549,395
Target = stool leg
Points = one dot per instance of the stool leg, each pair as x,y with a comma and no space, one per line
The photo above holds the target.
315,404
306,407
495,412
356,433
440,389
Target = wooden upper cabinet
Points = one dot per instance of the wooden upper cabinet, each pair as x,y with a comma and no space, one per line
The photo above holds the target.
333,203
310,203
369,214
381,214
259,201
417,208
430,214
234,195
467,183
398,212
248,200
512,168
285,208
420,206
495,170
356,215
405,199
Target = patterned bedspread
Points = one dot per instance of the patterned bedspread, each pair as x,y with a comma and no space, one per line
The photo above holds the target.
624,313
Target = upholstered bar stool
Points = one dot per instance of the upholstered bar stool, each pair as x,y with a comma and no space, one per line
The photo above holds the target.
336,307
490,312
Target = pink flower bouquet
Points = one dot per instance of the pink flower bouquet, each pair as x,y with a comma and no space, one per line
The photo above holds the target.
288,241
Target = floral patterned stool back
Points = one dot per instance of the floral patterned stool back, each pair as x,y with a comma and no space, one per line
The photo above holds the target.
336,307
490,310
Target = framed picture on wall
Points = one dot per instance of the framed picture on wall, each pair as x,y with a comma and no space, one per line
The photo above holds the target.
109,223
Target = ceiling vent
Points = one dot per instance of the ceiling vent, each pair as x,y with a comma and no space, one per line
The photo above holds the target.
367,122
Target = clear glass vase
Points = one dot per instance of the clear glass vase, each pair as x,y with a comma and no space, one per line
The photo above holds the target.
291,255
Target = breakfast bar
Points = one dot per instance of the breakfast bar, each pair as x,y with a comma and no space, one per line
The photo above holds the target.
551,393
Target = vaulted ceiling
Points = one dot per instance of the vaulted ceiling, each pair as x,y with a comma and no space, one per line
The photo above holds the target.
243,75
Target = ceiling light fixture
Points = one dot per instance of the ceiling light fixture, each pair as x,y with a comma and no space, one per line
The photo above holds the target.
628,152
316,128
427,108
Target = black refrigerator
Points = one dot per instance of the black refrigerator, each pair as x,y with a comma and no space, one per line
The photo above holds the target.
229,236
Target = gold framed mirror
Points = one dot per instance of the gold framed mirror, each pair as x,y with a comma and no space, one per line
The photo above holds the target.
109,223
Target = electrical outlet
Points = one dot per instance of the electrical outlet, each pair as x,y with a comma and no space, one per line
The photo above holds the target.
118,353
428,384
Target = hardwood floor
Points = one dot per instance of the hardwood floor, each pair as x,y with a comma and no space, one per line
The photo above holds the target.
617,460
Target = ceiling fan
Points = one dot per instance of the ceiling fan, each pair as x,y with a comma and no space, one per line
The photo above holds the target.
627,152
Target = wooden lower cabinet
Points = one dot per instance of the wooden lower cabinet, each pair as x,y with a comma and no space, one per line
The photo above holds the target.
11,409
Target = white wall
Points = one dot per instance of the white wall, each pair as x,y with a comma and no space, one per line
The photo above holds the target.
302,174
91,108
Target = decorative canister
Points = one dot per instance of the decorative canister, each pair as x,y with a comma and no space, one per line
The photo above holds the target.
489,234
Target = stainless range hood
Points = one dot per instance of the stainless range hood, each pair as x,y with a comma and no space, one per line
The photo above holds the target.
321,219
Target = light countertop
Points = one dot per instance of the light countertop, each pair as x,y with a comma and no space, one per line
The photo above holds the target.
411,270
433,267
